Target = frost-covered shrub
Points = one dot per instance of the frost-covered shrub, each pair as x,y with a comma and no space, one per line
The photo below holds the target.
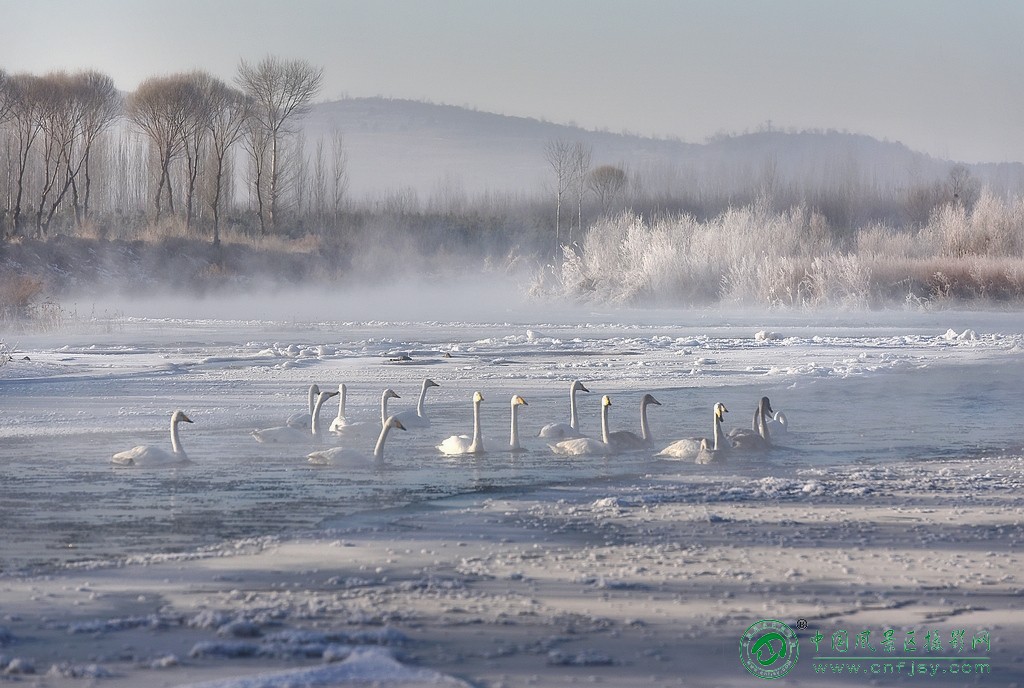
838,280
754,255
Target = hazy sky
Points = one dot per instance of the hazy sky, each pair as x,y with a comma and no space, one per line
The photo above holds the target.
941,76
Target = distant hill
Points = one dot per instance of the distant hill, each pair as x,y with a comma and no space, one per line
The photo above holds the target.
401,144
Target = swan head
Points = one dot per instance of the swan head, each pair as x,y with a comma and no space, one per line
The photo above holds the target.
427,382
477,397
342,388
393,422
649,399
518,401
578,386
720,410
390,394
606,400
180,417
766,407
324,396
314,389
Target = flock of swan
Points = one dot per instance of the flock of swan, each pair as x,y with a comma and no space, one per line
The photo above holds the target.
563,438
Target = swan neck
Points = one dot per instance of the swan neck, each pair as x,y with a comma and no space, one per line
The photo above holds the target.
311,399
573,421
605,436
175,442
478,439
719,437
645,432
341,403
315,423
378,450
423,397
383,410
761,422
513,440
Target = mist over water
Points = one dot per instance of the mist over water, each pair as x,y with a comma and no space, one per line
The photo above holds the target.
860,388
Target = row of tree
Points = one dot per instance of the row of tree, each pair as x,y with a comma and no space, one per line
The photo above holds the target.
190,148
191,123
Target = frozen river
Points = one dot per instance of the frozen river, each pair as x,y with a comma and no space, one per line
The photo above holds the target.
863,389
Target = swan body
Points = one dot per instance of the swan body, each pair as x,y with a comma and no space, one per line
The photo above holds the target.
366,428
513,439
700,449
581,446
303,420
464,444
758,436
351,455
624,440
285,434
777,423
560,431
417,418
149,455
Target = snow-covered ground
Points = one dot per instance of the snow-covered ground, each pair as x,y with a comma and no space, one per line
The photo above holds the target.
894,501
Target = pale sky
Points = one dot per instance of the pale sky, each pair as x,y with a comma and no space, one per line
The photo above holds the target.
943,77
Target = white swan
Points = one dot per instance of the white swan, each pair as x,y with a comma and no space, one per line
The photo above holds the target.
417,418
624,440
289,435
579,446
351,455
778,424
303,420
700,449
513,439
341,420
149,455
464,444
366,428
558,431
758,436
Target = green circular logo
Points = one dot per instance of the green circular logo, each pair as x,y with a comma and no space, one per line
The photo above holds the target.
769,649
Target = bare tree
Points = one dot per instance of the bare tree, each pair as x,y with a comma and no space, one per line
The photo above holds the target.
195,133
101,105
6,99
281,91
229,112
963,187
26,101
581,157
558,154
75,109
160,108
340,173
257,142
58,122
607,183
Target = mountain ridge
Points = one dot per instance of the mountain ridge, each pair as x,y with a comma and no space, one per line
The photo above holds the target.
397,144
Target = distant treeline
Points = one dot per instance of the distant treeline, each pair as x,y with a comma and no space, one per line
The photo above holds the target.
148,187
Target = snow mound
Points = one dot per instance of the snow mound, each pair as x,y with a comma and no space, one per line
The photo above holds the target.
965,336
364,666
